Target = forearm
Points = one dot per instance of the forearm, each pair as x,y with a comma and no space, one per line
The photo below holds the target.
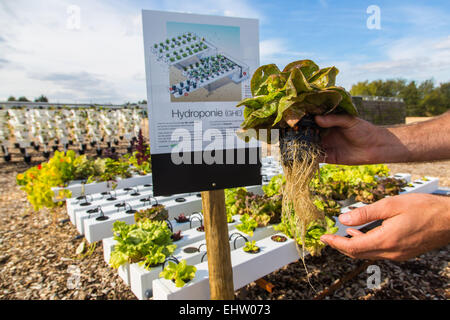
423,141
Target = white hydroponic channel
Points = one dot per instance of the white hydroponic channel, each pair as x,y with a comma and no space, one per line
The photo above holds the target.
246,267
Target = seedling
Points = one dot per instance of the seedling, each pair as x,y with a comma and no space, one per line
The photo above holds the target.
182,218
278,238
251,247
180,273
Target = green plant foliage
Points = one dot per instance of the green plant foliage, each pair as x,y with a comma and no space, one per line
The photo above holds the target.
369,193
301,88
265,210
424,99
179,273
62,168
314,231
248,225
155,213
235,200
274,186
338,182
250,246
329,206
148,242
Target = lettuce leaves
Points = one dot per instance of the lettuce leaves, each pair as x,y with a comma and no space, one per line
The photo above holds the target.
179,273
301,88
146,241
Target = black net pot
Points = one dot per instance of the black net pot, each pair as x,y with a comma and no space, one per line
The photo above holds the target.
306,132
27,159
7,157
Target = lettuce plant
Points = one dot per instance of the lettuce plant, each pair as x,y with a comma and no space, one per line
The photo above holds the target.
311,239
148,242
156,213
300,89
179,273
248,225
274,186
250,246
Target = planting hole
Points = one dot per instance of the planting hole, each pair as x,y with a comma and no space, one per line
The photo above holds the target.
190,250
278,238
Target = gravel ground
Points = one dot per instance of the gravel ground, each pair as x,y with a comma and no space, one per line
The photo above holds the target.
38,259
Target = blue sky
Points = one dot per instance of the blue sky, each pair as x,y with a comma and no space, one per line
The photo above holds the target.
103,59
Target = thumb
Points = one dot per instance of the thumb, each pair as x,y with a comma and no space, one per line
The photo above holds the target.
383,209
336,120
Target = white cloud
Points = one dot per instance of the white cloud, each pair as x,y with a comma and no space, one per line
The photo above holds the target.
103,61
411,58
278,51
414,58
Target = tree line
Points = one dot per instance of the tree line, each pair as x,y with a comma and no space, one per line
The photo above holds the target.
41,98
421,99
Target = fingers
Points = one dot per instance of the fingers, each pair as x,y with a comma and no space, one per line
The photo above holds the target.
361,245
382,209
336,120
353,232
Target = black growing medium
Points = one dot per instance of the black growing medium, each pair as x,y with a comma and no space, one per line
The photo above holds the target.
130,210
190,250
102,216
307,131
253,251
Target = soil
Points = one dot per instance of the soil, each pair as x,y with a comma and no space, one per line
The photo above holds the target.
38,257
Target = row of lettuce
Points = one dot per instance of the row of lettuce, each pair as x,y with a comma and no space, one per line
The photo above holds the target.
65,167
150,241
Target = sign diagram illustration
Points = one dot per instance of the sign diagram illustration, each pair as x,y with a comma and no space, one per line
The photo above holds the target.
195,63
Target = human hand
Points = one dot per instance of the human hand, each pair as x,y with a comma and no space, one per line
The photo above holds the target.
412,224
350,140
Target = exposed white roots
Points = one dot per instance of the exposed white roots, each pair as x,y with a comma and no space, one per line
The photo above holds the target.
296,194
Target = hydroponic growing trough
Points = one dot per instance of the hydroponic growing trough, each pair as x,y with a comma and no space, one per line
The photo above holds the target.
246,267
94,213
250,267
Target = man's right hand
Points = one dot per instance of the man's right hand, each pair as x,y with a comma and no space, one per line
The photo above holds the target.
350,140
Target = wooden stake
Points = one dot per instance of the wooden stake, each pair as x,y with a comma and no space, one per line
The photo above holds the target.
218,246
266,285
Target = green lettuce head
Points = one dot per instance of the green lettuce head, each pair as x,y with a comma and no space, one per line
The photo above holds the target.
282,98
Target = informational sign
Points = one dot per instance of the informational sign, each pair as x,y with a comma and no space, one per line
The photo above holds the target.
198,68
